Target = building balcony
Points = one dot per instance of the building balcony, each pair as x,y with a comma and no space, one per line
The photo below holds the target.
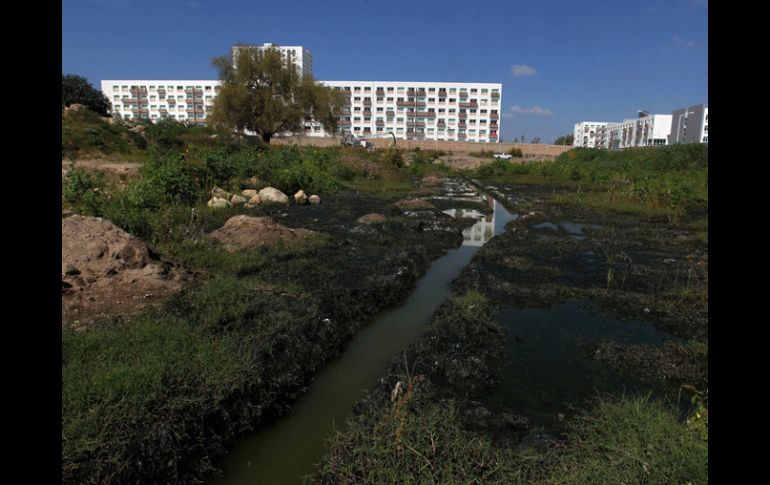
468,105
390,113
415,93
411,103
462,125
379,92
379,123
462,115
462,95
495,96
415,123
367,112
425,114
367,102
494,116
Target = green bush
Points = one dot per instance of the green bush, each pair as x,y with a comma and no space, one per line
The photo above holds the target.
79,189
515,152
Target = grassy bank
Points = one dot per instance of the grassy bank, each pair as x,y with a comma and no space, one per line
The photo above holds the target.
670,180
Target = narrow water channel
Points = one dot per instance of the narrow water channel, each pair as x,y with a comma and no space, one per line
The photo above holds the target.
284,451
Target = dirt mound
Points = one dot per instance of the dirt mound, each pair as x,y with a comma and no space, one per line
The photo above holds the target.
107,271
409,204
241,232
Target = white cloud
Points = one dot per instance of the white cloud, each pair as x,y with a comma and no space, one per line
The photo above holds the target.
520,70
535,110
681,42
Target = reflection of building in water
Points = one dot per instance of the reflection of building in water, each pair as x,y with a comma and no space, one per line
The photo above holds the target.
483,230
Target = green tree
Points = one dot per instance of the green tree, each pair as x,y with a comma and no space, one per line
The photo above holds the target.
565,140
77,90
263,93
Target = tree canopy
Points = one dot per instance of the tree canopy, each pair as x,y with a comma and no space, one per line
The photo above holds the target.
263,93
565,140
77,90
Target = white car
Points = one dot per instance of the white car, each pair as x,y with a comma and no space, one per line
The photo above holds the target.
504,156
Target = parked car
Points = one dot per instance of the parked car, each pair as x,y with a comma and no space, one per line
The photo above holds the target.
504,156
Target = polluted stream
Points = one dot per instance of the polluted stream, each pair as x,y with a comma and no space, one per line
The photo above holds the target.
287,449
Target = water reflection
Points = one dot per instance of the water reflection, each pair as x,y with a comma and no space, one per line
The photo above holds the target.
483,230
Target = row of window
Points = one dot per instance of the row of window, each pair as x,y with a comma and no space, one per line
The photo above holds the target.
423,100
407,109
155,117
178,107
117,97
392,89
125,88
390,119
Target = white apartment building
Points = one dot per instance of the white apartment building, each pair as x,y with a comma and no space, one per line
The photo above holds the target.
186,100
419,110
590,134
409,110
298,55
646,130
690,125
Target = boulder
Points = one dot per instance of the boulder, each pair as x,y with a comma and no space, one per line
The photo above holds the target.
237,199
249,193
219,192
255,200
271,195
218,203
314,199
300,197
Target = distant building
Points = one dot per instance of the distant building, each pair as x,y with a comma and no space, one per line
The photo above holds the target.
690,125
410,110
298,55
590,134
646,130
181,100
419,110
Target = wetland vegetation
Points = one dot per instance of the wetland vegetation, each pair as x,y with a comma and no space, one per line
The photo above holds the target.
160,395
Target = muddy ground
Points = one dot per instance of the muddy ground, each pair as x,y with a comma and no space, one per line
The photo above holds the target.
551,254
650,269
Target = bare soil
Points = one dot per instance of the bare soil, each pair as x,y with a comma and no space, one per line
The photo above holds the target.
242,232
108,272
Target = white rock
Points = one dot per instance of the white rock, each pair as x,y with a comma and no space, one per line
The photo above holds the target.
249,193
218,203
270,195
314,199
300,197
237,199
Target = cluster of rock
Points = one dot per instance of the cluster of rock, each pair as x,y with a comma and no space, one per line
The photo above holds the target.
251,198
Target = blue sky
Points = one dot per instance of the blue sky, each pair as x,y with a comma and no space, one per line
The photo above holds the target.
559,61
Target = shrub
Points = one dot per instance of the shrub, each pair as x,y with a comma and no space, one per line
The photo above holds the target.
79,189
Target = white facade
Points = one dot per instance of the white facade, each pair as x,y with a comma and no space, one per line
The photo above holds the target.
409,110
647,130
419,110
590,134
298,55
187,100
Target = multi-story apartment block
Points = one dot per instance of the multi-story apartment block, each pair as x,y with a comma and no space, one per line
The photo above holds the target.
419,110
296,54
590,134
187,101
646,130
409,110
690,125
